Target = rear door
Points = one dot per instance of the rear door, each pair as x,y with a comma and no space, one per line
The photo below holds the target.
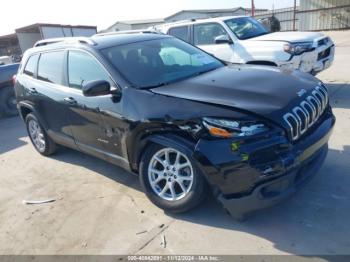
47,94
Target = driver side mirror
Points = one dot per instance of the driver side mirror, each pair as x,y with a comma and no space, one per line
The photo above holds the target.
98,88
223,39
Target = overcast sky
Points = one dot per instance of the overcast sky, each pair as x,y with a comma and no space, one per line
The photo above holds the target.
103,13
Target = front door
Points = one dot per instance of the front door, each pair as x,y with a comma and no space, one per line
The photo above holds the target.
90,130
204,37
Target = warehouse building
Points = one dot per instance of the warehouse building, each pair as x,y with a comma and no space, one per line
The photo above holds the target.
29,35
9,45
310,15
133,25
181,15
25,37
208,13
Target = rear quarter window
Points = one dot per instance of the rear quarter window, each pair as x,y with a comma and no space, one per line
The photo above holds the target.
50,68
181,32
31,64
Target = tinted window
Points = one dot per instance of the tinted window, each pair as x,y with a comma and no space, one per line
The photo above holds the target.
180,32
31,65
159,62
83,68
50,67
205,34
246,27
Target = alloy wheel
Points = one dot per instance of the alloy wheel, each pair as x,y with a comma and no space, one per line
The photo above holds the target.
36,135
170,174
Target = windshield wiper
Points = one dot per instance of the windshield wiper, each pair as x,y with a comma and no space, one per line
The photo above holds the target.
155,85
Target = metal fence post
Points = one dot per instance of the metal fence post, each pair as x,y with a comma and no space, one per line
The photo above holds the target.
294,14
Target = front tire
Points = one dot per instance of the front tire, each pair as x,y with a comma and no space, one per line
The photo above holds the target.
170,179
39,138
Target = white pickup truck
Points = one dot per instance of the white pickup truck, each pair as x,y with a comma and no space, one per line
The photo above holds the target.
242,39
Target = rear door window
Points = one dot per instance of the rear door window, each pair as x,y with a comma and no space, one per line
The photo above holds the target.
205,34
181,32
50,67
31,65
82,68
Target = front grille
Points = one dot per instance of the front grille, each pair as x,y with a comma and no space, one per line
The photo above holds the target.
306,114
324,53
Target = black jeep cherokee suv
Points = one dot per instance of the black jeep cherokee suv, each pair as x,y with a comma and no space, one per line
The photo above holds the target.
178,117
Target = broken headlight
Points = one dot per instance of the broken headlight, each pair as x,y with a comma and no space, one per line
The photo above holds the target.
232,128
298,48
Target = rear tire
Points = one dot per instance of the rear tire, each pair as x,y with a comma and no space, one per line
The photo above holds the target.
168,193
37,134
8,104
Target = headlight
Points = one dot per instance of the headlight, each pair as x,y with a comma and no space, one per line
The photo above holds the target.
231,128
298,48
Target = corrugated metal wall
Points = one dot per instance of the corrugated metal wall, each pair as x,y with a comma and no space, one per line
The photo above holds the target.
284,15
313,15
324,14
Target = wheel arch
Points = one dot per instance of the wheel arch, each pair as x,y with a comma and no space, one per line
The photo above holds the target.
166,139
24,111
26,108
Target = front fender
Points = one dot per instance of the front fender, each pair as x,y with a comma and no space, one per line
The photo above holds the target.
165,139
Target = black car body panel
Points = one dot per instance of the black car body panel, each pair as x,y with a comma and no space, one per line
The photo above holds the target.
256,89
118,128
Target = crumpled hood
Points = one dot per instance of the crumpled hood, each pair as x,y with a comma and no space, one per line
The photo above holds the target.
261,90
289,37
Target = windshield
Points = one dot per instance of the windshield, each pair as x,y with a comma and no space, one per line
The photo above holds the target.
158,62
246,27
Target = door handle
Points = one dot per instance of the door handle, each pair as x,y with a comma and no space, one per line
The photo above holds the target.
32,90
70,100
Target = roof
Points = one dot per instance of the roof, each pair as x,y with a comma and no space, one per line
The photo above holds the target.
37,25
223,10
97,41
104,41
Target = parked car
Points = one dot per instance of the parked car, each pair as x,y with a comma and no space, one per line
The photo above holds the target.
243,39
8,105
179,118
5,60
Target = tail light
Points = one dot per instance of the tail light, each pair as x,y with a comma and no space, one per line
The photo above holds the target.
14,79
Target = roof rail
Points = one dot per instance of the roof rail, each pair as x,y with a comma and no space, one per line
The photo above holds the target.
67,40
183,21
145,31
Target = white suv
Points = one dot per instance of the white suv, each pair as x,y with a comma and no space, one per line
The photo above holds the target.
242,39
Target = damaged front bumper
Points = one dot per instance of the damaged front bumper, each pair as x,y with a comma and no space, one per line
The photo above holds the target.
272,192
311,62
261,174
